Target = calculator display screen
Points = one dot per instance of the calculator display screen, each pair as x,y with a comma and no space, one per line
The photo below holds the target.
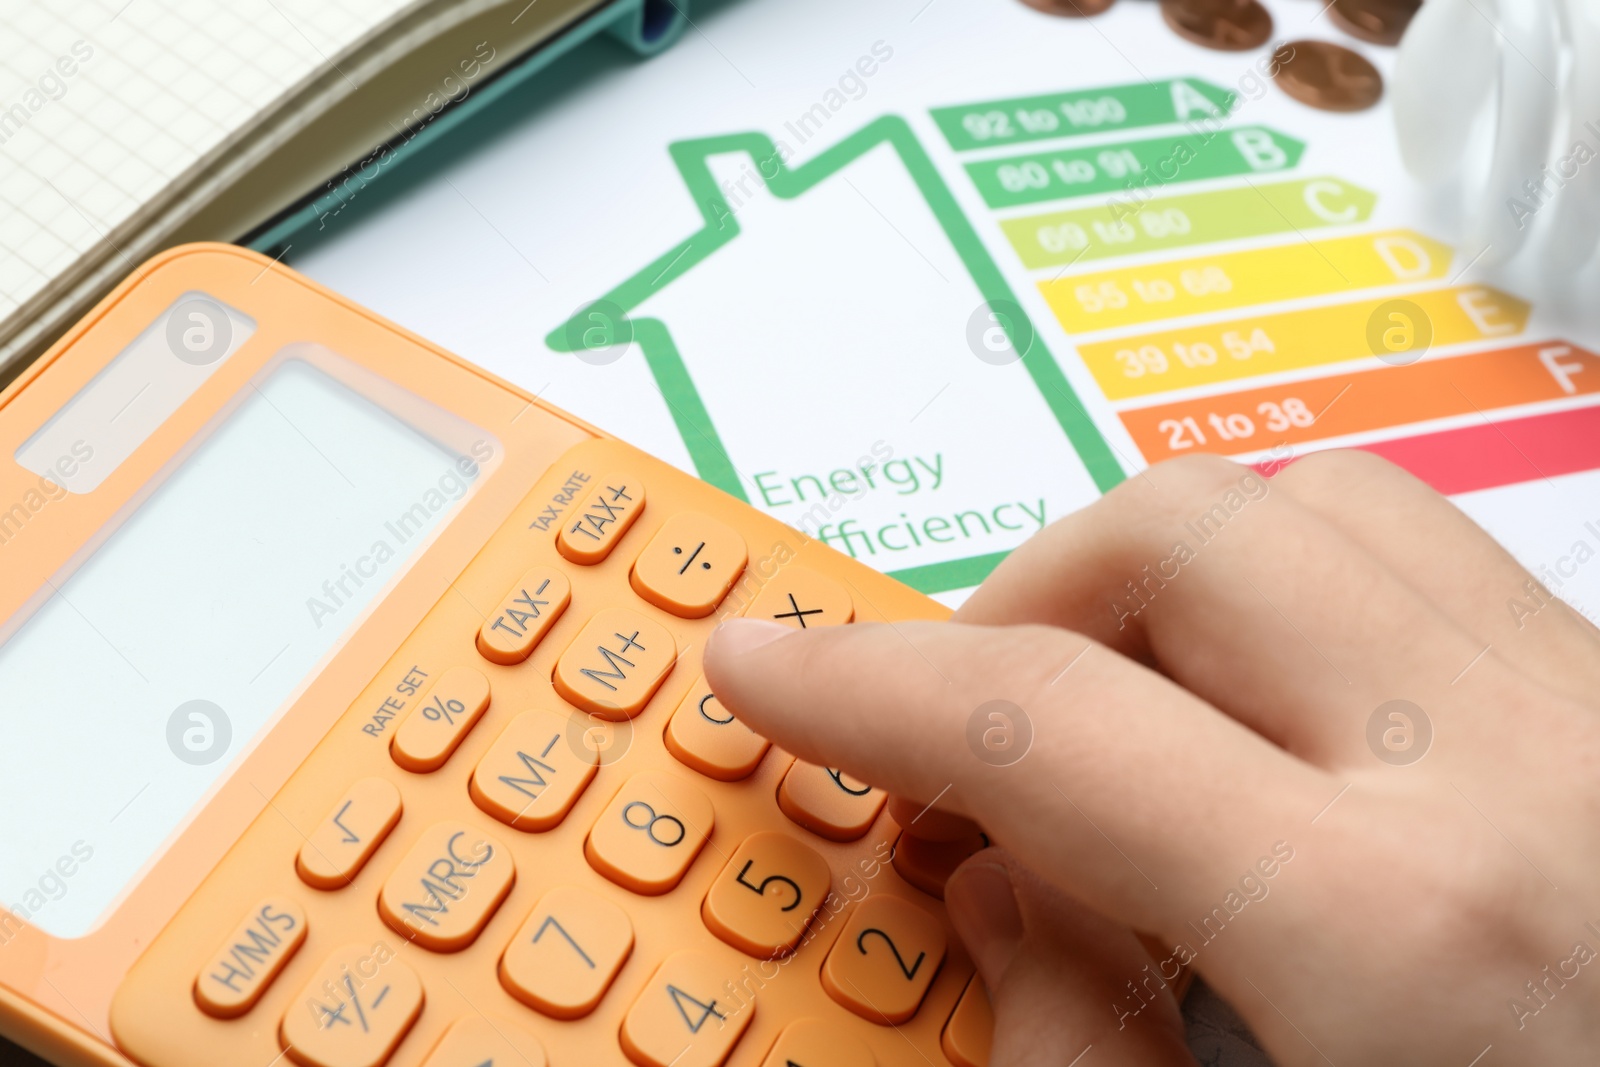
140,680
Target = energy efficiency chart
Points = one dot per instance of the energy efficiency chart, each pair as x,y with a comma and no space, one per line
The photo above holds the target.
838,345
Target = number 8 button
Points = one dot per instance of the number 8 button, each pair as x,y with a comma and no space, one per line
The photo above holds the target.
884,962
765,897
650,832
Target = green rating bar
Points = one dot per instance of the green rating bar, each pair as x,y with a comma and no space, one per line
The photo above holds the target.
1129,225
1131,166
1021,119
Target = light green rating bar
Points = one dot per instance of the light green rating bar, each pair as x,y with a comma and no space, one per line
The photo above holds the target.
1018,120
1131,166
1129,225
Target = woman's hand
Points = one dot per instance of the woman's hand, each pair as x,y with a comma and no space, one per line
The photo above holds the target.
1319,735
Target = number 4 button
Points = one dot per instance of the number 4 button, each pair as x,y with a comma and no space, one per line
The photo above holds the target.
884,962
685,1017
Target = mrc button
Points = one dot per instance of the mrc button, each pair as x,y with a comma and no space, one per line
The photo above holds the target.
247,962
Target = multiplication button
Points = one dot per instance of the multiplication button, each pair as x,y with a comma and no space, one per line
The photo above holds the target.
802,599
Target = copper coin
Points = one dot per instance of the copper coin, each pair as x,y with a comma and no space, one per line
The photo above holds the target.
1327,76
1378,21
1223,25
1070,8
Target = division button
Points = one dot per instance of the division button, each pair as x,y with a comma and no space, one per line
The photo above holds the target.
885,960
600,521
690,564
342,843
525,615
436,726
355,1009
565,955
535,771
480,1041
685,1017
804,599
828,802
615,664
766,896
251,957
447,887
704,735
650,833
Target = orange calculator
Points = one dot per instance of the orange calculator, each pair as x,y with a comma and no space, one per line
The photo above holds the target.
353,716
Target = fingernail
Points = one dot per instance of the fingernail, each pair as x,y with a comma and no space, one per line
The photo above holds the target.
984,910
738,636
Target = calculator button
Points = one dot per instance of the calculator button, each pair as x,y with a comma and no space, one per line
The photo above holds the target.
615,664
601,520
247,962
436,726
343,842
969,1034
766,896
828,802
354,1010
650,833
705,735
690,564
447,887
928,865
883,963
813,1043
564,956
803,598
484,1042
535,771
686,1017
525,615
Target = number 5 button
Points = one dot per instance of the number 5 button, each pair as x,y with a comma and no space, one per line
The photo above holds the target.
882,965
765,897
650,833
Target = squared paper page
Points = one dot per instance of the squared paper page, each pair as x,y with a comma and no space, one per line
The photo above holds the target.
786,325
103,103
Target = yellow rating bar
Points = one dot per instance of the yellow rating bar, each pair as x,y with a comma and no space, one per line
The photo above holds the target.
1218,282
1396,330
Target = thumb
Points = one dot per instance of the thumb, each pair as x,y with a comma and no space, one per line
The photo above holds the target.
1060,977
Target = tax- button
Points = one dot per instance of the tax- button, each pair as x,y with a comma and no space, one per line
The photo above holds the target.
828,802
814,1043
524,616
446,888
343,842
802,598
690,564
686,1016
355,1009
884,961
705,735
436,726
535,771
600,521
484,1042
615,664
766,896
563,958
651,831
247,962
970,1032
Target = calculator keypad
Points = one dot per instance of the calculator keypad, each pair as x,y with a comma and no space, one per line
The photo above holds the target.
354,1010
651,831
615,664
446,888
566,953
435,727
342,843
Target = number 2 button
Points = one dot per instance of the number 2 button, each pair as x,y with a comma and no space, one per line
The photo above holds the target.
884,962
765,897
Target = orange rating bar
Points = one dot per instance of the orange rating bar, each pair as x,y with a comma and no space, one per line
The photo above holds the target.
1254,419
